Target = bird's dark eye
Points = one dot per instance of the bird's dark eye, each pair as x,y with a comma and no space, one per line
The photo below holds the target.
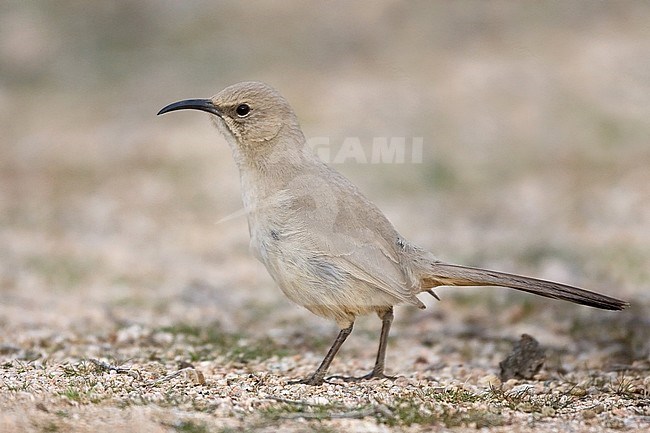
243,110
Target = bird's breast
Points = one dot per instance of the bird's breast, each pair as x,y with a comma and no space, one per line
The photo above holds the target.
269,225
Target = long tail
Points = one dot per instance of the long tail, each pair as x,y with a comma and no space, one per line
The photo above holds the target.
443,274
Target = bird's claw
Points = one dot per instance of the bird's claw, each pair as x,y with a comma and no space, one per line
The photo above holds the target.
312,380
372,375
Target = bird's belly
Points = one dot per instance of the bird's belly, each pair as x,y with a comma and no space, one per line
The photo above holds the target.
315,283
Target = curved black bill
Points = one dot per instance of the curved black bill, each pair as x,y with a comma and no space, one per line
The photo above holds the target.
192,104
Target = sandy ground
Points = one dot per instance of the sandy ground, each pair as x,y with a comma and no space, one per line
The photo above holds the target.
129,300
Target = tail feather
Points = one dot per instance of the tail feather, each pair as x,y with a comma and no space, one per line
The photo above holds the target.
443,274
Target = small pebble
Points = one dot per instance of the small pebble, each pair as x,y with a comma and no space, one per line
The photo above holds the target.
491,380
523,388
510,384
588,414
525,407
548,411
578,392
318,400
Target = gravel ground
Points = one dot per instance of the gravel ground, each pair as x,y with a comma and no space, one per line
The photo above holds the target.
129,300
202,378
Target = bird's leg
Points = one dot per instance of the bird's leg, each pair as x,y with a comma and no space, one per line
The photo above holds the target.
378,370
319,375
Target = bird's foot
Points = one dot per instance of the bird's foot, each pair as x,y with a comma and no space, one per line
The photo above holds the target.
313,380
372,375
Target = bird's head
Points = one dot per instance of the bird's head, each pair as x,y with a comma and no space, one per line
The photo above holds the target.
252,113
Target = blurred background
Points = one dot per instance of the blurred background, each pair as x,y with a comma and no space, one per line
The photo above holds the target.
533,115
